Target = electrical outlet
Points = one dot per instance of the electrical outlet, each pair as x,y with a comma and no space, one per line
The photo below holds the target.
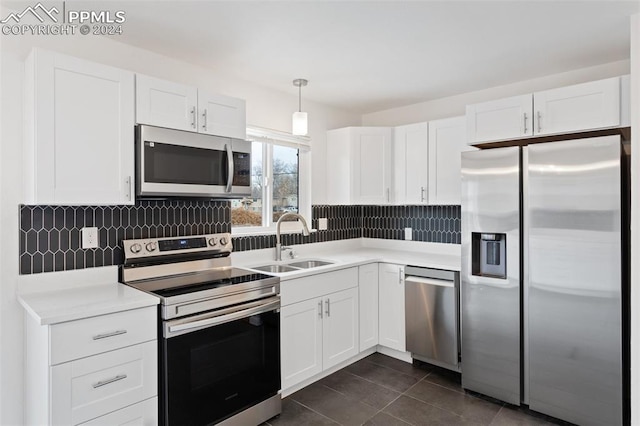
408,234
322,224
89,238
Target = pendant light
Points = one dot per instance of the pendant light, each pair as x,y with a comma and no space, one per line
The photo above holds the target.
299,124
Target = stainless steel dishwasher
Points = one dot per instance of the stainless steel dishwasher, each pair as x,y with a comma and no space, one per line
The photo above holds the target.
432,306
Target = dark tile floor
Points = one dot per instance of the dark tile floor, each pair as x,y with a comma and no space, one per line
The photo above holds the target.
380,390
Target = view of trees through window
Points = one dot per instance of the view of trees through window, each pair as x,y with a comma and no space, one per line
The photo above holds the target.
274,186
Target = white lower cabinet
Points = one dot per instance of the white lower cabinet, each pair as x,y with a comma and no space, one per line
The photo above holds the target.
368,305
144,413
321,330
97,370
391,307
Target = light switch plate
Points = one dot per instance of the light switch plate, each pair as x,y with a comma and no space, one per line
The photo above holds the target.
408,234
89,237
322,224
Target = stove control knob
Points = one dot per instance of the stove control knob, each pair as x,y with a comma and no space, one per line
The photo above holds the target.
223,241
212,242
135,248
151,246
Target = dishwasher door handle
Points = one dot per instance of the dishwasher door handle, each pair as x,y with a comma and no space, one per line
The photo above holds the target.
431,281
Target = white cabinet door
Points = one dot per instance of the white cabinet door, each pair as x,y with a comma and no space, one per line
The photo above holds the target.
371,160
447,140
585,106
503,119
301,341
82,131
166,104
411,163
391,312
368,305
222,115
340,327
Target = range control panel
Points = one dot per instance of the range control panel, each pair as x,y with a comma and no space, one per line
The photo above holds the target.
153,247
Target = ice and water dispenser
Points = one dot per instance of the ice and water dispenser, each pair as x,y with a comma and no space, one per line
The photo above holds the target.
488,255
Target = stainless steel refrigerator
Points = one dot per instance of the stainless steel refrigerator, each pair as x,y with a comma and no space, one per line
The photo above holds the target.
544,281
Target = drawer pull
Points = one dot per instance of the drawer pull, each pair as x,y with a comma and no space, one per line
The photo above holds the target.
106,335
108,381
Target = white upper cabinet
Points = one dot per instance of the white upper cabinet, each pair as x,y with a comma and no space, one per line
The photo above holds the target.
166,104
222,115
590,105
411,163
509,118
177,106
359,165
587,106
80,141
447,140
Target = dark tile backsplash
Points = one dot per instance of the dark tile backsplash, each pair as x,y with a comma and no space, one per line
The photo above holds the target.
50,235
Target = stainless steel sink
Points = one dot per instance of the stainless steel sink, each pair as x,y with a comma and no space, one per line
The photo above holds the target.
306,264
276,269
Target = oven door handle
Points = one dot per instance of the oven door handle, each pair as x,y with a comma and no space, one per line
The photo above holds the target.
226,315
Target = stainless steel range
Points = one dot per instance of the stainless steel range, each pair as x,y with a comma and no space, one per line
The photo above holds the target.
219,330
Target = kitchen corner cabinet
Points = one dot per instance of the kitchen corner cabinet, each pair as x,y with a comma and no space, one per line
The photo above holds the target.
368,305
411,164
586,106
177,106
319,323
359,165
79,138
391,310
447,141
99,370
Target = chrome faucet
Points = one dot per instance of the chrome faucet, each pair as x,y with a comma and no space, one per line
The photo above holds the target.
305,232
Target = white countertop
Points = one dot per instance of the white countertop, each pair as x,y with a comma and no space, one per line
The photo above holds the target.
56,297
349,253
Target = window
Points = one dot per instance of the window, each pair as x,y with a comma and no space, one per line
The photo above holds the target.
279,183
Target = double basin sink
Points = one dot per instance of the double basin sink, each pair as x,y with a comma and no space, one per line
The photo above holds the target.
277,268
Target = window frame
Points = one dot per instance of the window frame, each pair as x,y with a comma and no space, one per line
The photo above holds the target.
269,138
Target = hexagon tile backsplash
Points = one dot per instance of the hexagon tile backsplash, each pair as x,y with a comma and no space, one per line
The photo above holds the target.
50,235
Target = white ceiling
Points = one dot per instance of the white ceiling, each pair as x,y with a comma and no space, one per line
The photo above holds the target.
368,56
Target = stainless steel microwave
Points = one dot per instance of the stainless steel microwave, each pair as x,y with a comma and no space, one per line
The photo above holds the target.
176,163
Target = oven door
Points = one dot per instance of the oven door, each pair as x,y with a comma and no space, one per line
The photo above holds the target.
178,163
217,364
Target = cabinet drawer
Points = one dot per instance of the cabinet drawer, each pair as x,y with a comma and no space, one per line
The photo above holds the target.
77,339
144,413
299,289
87,388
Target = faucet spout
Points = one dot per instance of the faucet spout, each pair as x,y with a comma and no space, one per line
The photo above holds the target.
305,231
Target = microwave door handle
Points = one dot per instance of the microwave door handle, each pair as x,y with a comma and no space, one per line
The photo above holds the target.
230,167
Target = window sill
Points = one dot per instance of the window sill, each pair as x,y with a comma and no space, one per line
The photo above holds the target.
268,231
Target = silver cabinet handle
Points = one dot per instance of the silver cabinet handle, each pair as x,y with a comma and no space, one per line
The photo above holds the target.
204,121
388,195
422,194
108,381
107,335
320,309
400,276
539,122
230,167
128,182
328,311
525,123
193,117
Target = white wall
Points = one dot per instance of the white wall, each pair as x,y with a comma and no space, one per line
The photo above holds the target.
635,219
265,108
455,105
